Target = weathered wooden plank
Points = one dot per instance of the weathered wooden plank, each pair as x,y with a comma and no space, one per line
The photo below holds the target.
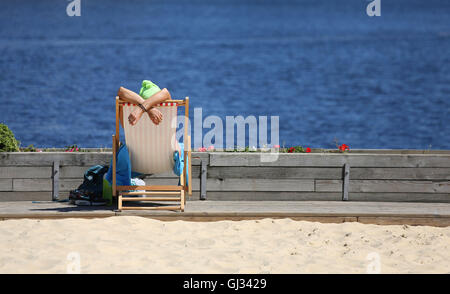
224,172
6,185
261,172
73,171
9,172
272,196
67,158
385,186
400,197
319,173
327,196
32,185
325,208
260,185
331,160
400,186
312,208
387,173
47,158
44,185
240,159
25,196
69,184
328,185
73,183
422,213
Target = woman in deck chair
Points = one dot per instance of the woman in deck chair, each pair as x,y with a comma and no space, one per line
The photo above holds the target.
152,149
149,96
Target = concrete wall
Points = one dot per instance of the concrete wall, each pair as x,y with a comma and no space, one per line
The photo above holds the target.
374,175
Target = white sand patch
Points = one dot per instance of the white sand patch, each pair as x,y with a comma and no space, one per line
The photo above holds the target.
128,244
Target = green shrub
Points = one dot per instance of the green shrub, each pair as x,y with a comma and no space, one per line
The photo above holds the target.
30,148
8,142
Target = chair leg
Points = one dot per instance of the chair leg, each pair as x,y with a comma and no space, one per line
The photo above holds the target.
119,202
114,149
189,175
183,200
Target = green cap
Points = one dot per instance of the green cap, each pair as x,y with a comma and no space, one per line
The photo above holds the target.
148,89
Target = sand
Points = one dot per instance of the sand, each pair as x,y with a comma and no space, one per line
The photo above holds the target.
128,244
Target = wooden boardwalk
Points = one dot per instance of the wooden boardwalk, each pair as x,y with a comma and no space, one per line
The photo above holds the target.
432,214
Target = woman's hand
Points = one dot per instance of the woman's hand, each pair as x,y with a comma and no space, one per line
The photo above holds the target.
135,116
155,115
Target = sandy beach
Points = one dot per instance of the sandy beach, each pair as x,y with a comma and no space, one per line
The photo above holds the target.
129,244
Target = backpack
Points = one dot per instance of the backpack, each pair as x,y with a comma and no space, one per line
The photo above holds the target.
90,192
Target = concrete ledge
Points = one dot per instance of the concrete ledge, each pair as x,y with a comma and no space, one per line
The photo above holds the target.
430,214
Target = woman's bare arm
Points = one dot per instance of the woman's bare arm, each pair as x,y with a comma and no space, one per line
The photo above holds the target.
129,96
132,97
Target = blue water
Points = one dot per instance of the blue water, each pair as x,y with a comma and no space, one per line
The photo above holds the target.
324,67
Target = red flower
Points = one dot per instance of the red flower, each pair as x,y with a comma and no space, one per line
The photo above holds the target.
308,150
344,147
291,149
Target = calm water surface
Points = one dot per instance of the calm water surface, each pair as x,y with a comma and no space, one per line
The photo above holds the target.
324,67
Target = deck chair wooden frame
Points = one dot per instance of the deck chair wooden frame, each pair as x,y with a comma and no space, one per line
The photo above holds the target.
155,193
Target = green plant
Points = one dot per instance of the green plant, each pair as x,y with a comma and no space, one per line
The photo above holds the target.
30,148
8,142
235,149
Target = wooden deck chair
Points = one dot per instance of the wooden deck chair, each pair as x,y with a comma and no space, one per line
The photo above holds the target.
151,150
